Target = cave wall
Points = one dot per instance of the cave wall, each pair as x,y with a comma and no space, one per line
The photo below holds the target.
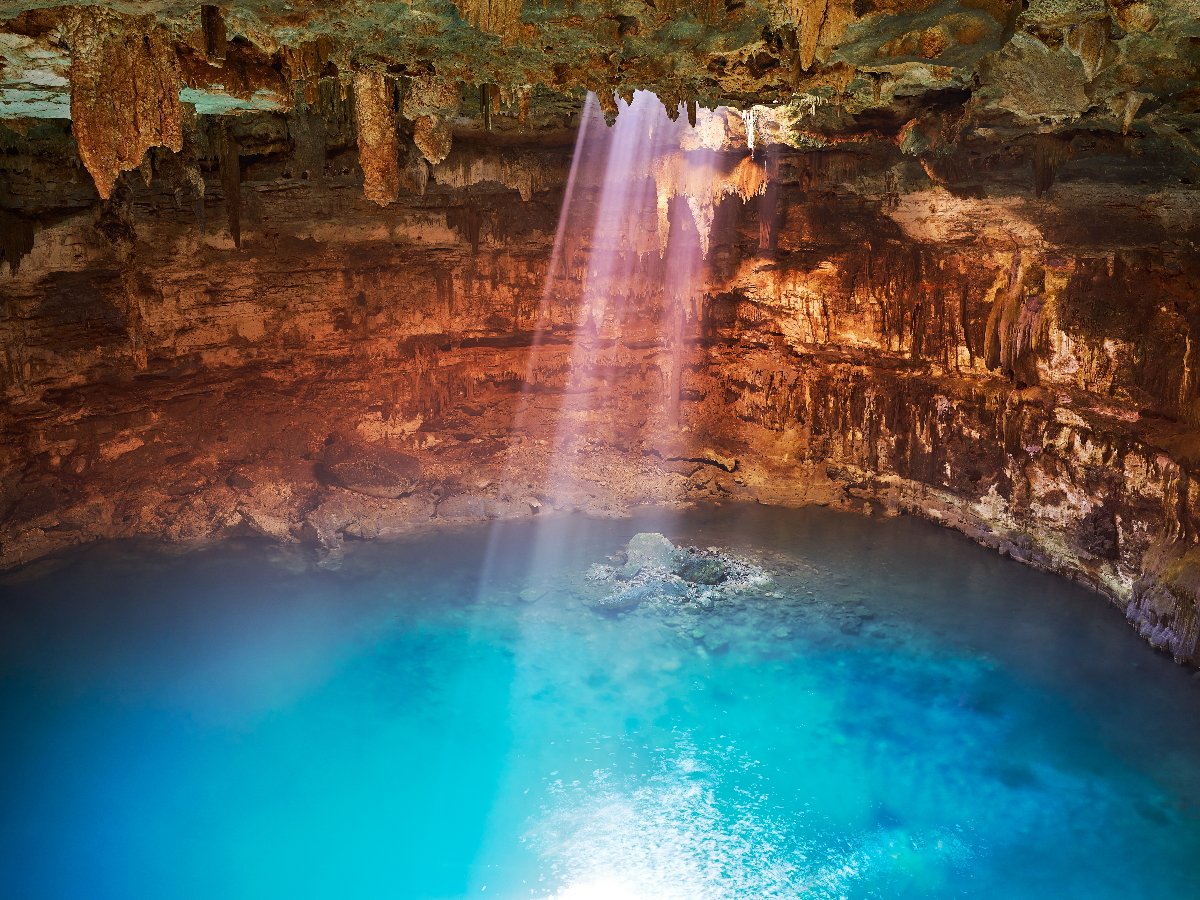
237,340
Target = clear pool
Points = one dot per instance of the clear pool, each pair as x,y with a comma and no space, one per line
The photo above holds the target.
898,714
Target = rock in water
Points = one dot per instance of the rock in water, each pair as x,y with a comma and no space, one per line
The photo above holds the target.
700,567
655,570
633,595
649,550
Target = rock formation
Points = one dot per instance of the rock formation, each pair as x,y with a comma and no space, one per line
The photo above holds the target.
290,272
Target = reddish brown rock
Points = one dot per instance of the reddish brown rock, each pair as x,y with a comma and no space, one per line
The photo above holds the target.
378,154
125,82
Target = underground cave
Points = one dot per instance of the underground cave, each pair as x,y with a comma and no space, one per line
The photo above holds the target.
599,450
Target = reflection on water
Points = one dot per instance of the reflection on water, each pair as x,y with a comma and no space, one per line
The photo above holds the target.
896,714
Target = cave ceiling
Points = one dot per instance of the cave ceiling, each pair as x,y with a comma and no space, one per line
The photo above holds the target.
952,85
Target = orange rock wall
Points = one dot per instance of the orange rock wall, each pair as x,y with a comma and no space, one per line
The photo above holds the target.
355,371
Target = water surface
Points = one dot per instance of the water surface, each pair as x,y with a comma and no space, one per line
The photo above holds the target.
897,714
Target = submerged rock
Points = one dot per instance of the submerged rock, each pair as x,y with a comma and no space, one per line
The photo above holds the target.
633,594
649,550
702,567
656,571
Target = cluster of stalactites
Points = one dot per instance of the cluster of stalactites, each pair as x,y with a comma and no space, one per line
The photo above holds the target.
721,129
498,17
428,104
698,169
700,180
392,162
126,76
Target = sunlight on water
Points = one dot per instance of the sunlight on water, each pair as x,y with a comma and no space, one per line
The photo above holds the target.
888,712
671,838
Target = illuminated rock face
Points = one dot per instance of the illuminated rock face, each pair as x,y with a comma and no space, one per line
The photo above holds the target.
334,314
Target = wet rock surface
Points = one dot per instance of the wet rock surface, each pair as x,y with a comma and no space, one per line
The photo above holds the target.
765,602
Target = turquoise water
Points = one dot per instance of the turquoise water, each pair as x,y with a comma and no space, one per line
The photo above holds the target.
896,714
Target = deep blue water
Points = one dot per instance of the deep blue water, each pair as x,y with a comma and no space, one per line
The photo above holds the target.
899,714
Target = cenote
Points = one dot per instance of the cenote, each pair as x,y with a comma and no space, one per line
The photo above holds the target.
887,711
498,449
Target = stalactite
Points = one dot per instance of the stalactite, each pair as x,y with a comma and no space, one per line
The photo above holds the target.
375,112
680,175
964,321
433,138
750,121
231,181
1125,107
430,102
1185,377
414,171
485,106
1004,294
125,80
1048,153
768,216
608,106
517,96
1088,40
809,16
467,221
212,24
523,105
1016,323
